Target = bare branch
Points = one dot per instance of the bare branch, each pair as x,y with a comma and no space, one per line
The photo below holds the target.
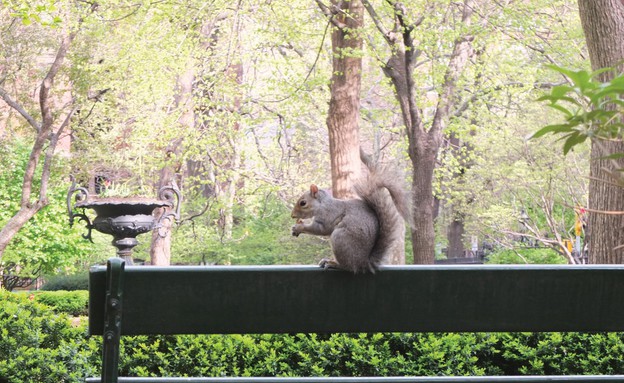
48,82
461,53
324,8
388,35
5,96
47,163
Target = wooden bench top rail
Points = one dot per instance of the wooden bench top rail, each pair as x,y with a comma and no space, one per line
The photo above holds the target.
424,379
294,299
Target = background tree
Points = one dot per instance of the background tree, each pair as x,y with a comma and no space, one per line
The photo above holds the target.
491,118
232,102
48,124
424,136
603,23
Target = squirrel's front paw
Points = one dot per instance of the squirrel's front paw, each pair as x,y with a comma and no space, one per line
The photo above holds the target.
296,230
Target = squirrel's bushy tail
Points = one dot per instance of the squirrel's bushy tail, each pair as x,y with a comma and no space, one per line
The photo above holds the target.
385,192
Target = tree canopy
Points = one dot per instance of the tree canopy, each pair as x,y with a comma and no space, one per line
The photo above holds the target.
230,100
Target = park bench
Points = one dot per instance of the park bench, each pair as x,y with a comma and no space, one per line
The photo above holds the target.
141,300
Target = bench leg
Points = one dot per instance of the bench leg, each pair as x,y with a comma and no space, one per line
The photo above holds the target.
112,324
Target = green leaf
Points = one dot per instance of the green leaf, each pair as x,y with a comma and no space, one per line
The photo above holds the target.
564,71
573,140
560,128
598,72
607,91
561,90
562,109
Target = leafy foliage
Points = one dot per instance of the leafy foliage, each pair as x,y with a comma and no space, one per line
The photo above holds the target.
591,108
525,255
261,237
67,282
67,302
38,345
43,12
46,244
374,354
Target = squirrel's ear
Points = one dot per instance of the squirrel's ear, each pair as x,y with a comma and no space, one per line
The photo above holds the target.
313,190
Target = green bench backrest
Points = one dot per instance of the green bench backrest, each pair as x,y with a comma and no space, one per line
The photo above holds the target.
289,299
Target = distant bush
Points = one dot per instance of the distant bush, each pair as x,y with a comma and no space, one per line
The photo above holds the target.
38,345
63,302
526,255
67,282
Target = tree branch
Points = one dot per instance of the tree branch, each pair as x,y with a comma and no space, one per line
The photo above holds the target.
47,163
48,82
5,96
515,84
387,34
461,53
331,12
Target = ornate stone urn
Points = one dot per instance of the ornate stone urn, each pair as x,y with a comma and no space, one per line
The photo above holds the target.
123,218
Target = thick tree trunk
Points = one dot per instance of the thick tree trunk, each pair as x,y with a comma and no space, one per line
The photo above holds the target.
603,23
344,105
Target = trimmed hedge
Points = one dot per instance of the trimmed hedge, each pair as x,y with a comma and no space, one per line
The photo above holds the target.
72,303
38,344
67,282
375,354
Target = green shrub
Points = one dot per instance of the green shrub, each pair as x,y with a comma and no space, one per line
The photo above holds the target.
67,282
526,255
38,345
561,354
69,302
428,354
72,303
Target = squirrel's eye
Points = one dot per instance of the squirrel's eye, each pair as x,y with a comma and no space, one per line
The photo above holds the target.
302,203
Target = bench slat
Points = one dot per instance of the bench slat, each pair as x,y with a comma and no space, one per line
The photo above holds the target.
283,299
402,379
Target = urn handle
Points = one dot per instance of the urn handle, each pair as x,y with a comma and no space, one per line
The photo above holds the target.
79,194
172,194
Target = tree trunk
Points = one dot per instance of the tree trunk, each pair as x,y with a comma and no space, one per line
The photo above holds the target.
455,236
15,223
344,105
423,232
603,24
160,249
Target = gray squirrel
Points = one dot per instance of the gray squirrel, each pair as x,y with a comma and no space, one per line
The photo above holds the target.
364,231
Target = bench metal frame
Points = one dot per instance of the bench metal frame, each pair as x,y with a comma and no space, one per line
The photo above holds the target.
140,300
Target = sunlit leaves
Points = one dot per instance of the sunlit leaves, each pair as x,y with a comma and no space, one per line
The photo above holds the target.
45,13
591,108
